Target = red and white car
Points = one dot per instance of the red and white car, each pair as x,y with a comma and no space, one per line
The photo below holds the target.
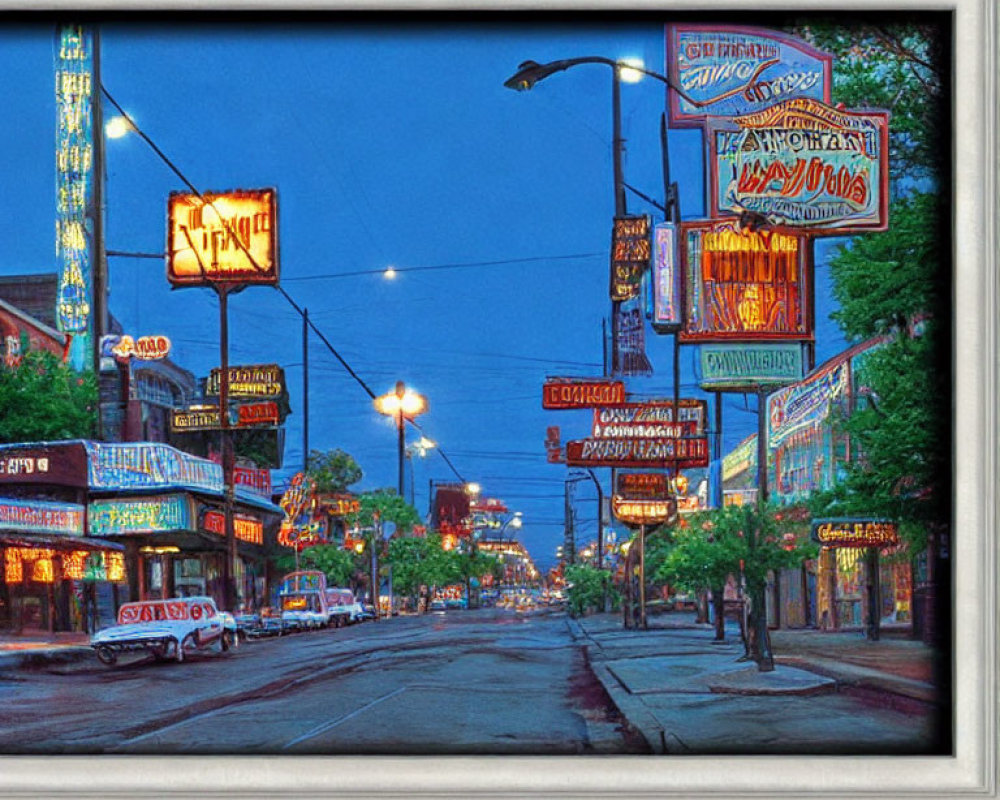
166,628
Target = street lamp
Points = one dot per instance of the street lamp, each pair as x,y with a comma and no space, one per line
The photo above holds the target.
402,404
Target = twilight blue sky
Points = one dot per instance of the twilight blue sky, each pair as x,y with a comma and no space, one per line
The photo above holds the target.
388,145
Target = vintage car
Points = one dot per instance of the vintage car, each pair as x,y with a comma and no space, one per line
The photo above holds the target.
166,628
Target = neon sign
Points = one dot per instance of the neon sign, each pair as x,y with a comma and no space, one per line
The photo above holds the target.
258,380
666,279
805,404
736,367
687,452
803,165
733,70
246,528
74,181
145,348
41,517
843,532
257,481
149,465
743,285
628,334
226,237
642,485
145,515
568,393
643,512
302,525
689,419
630,255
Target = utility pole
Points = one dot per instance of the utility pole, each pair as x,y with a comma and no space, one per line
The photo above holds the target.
305,389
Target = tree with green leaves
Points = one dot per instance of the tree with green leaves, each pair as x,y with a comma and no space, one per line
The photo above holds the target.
340,566
421,561
333,470
43,399
586,588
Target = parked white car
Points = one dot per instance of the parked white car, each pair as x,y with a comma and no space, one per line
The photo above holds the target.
166,628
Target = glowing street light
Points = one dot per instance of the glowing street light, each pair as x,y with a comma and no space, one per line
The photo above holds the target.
402,404
118,127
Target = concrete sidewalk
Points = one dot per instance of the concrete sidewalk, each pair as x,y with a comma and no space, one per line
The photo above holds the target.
21,650
686,693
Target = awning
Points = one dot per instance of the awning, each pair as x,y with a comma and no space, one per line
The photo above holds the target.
67,543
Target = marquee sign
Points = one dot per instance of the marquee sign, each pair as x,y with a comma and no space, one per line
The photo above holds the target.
643,512
194,418
849,532
302,526
663,453
37,516
804,404
571,393
744,367
631,251
728,70
743,285
56,464
264,381
141,515
614,422
340,505
146,465
803,165
222,237
666,279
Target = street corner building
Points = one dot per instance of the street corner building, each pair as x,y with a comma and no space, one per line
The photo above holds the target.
86,526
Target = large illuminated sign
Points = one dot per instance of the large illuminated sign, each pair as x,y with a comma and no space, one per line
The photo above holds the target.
746,366
266,381
804,404
803,165
614,422
743,285
148,465
666,279
302,525
145,348
140,515
731,70
663,453
56,464
568,393
631,251
222,237
75,214
37,516
206,417
849,532
642,485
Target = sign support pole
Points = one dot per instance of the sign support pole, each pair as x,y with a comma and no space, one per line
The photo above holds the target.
229,571
872,632
642,577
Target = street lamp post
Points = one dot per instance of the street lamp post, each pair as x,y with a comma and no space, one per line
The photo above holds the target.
402,404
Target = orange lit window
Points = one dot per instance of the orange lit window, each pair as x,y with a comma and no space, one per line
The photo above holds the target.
12,571
115,563
73,564
42,571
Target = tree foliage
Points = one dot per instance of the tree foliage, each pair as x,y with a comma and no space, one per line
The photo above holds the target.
389,507
46,400
902,68
340,566
586,587
333,470
421,561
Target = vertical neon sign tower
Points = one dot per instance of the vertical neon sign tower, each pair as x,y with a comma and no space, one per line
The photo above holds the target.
76,212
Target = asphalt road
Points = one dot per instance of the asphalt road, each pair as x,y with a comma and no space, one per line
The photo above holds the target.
456,682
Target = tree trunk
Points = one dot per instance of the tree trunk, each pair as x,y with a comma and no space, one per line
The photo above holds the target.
758,640
719,609
701,604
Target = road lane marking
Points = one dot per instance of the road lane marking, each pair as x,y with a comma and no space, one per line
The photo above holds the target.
326,726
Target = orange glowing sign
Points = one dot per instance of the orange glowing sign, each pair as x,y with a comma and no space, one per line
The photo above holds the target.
222,237
247,529
643,512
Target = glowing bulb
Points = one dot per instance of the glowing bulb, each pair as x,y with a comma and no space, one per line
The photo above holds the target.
630,75
117,127
390,273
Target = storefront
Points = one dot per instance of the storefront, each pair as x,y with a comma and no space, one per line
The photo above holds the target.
52,573
154,514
